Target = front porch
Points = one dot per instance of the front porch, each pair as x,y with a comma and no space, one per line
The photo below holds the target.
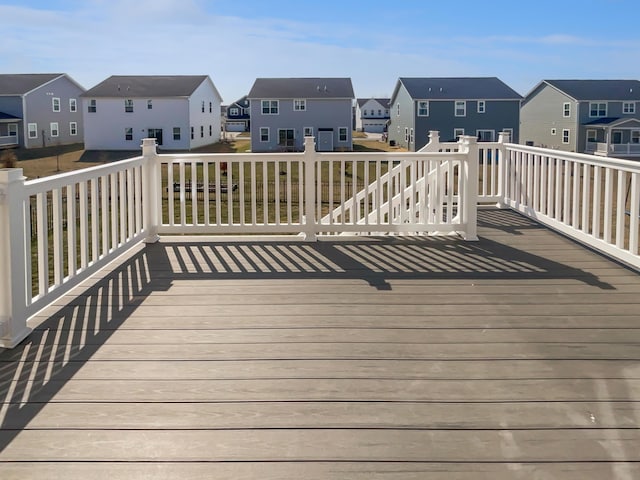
613,137
513,357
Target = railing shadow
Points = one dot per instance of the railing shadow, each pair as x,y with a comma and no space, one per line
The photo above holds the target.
34,372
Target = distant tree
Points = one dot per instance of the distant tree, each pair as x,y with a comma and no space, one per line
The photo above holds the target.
8,159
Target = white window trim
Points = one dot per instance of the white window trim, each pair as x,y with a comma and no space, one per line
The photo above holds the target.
308,131
634,134
149,104
93,104
128,102
346,134
73,126
406,134
566,131
455,108
299,105
566,110
458,132
53,104
482,106
12,129
54,127
426,102
493,133
591,130
32,128
268,134
234,111
631,111
178,132
606,109
554,131
73,105
510,132
411,138
269,112
126,131
397,110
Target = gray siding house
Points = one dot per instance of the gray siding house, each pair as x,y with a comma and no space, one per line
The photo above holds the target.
585,116
285,110
453,106
40,110
180,111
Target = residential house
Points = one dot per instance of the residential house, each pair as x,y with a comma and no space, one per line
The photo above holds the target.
587,116
180,111
372,114
40,110
237,117
285,110
454,106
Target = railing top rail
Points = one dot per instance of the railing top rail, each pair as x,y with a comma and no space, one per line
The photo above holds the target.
618,163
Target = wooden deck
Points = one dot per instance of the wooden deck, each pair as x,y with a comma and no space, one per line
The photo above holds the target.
515,357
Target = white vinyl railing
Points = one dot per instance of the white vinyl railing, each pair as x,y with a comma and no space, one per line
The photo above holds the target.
58,230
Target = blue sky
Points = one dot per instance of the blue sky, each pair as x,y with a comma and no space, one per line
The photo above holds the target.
373,42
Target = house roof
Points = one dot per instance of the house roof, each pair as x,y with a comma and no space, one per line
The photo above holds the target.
6,116
20,84
613,122
598,89
126,86
382,101
458,88
302,88
242,102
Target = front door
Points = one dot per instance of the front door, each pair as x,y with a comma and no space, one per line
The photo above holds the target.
616,137
325,140
155,133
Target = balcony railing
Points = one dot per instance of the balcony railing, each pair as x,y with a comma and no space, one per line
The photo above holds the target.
613,149
62,229
8,140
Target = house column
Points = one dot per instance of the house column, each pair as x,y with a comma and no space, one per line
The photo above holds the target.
152,201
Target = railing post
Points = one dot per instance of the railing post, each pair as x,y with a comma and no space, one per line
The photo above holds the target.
13,259
151,190
434,142
502,162
469,192
309,189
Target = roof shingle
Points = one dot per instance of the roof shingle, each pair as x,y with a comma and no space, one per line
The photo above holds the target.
147,86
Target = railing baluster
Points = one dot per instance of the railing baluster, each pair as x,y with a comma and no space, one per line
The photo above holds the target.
621,208
634,213
586,200
58,267
72,225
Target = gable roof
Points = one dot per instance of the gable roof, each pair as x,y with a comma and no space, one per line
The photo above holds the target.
242,102
126,86
382,101
598,89
488,88
21,84
302,88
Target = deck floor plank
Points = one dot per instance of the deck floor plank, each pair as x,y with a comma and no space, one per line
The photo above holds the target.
383,358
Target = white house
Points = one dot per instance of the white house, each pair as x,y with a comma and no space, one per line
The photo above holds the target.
372,114
180,111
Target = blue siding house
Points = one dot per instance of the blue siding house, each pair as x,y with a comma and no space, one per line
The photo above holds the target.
285,110
453,106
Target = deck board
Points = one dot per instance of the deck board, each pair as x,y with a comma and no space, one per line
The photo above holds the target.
415,358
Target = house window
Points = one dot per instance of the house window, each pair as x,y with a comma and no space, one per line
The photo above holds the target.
554,131
201,131
379,112
270,107
210,130
13,130
308,131
629,107
234,112
616,137
398,110
54,129
128,133
597,109
73,128
364,112
566,109
458,132
635,136
481,106
406,134
73,105
176,133
592,136
286,137
192,134
264,134
461,108
149,104
33,130
486,135
55,103
565,135
509,131
342,134
128,105
299,105
203,104
210,107
423,109
411,136
92,106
